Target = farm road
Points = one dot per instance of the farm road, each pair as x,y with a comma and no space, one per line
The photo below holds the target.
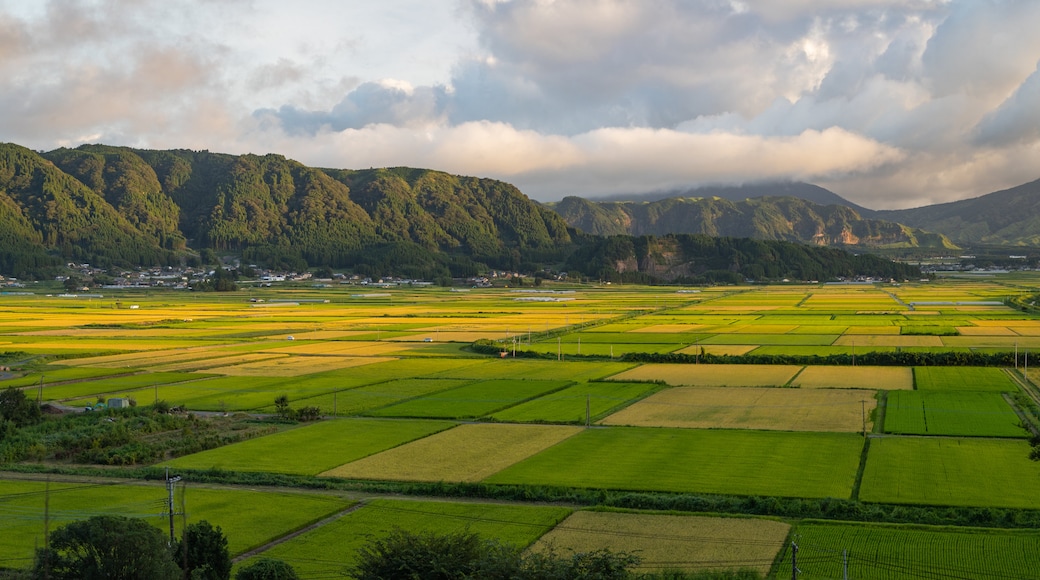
298,532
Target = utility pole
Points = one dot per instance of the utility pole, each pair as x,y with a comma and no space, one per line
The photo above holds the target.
334,403
39,397
169,489
794,560
559,348
863,406
845,564
579,345
1016,355
47,529
588,409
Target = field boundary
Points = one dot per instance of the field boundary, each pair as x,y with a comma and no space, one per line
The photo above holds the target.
298,532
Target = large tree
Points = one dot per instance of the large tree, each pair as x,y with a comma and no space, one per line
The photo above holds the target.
203,552
106,548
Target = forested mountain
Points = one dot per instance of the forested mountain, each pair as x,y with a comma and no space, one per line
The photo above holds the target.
798,189
1008,217
766,218
106,205
121,206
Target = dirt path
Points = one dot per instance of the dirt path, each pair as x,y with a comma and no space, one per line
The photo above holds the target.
298,532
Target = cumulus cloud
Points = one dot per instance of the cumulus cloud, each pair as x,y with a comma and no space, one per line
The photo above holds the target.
890,102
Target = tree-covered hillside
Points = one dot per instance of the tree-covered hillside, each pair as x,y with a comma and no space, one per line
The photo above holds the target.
765,218
129,207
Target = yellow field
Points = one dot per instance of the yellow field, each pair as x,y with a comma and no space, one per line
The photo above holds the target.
874,330
149,358
910,340
294,366
327,334
691,543
469,336
465,453
208,363
1025,330
712,375
830,377
763,329
838,410
359,348
986,331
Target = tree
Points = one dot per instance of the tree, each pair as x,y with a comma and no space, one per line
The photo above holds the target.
106,548
18,408
403,555
267,569
203,552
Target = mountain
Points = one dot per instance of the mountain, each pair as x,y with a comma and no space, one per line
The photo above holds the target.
1008,217
116,205
800,190
767,218
124,207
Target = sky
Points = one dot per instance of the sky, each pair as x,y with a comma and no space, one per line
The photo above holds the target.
889,103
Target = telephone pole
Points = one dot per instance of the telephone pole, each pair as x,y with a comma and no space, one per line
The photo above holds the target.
794,561
169,488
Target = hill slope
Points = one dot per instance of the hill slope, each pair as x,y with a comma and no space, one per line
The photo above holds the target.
768,218
1008,217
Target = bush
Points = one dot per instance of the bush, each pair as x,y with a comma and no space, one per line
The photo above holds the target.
267,569
465,555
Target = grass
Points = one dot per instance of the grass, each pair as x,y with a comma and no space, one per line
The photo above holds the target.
839,410
465,453
469,401
329,550
357,400
951,471
686,460
234,510
963,379
712,375
893,552
673,542
569,405
59,375
951,413
311,449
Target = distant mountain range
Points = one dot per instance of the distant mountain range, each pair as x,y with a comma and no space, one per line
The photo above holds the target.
811,214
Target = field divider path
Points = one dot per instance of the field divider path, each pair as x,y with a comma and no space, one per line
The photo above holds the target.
291,535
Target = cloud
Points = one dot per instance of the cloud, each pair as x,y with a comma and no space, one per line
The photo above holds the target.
891,102
1017,120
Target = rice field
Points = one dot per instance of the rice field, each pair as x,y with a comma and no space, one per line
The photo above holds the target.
959,413
673,542
859,377
655,459
574,404
963,379
712,375
470,401
951,471
466,453
838,410
22,511
312,449
329,550
902,552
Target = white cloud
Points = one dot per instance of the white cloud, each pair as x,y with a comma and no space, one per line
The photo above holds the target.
888,101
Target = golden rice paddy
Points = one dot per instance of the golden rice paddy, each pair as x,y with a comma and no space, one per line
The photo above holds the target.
465,453
839,410
860,377
691,543
293,366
